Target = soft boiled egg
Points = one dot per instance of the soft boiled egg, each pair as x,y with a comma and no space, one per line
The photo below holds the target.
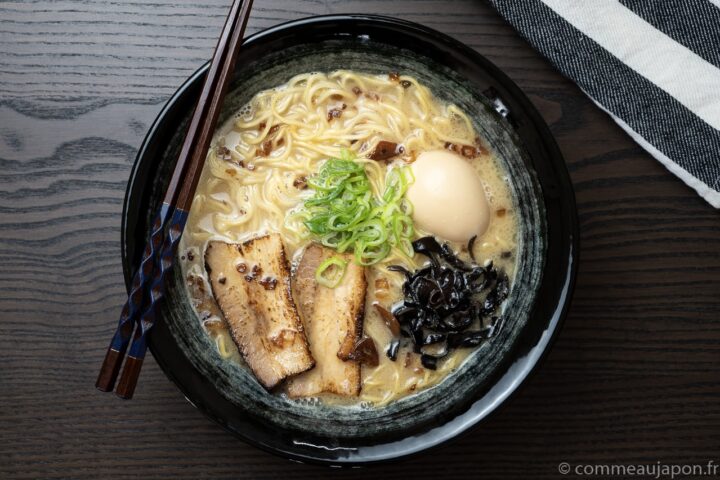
448,196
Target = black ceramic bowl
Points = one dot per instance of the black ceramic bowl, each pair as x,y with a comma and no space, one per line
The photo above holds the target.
547,247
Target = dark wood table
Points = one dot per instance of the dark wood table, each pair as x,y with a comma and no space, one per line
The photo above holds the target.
633,377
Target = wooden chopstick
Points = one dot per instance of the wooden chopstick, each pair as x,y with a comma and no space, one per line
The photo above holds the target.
170,220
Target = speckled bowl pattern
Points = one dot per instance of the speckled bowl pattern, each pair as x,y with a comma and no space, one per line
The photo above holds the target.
311,431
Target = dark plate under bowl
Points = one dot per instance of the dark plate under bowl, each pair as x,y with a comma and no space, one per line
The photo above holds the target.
546,263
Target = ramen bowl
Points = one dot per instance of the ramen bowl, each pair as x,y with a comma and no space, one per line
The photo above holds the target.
547,236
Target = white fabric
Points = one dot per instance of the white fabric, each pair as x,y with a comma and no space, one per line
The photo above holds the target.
705,191
681,73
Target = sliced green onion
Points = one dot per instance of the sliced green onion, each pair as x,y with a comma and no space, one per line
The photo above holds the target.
331,272
344,214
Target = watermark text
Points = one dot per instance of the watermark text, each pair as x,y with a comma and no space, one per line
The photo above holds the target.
655,470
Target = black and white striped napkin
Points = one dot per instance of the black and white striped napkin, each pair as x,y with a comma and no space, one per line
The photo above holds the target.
653,65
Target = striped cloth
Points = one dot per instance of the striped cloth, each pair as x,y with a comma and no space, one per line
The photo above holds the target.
652,65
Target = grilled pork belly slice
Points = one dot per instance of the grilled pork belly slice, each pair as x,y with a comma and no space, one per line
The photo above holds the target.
333,321
251,283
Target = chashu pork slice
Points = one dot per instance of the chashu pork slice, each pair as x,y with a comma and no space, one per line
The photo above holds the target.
333,320
251,283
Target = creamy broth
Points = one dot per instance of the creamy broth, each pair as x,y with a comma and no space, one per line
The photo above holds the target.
279,139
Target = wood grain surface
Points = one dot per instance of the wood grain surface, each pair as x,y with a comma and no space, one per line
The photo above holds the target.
633,377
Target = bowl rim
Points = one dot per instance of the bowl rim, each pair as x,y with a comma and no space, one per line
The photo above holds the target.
510,381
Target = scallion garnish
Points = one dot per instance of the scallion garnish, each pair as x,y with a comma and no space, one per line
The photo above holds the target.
345,215
331,272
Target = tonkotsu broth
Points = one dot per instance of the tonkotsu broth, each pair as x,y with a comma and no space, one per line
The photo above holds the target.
280,138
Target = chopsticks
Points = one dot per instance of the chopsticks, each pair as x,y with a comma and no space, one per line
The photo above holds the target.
148,285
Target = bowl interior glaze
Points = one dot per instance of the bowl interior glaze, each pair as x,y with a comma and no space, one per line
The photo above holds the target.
356,434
